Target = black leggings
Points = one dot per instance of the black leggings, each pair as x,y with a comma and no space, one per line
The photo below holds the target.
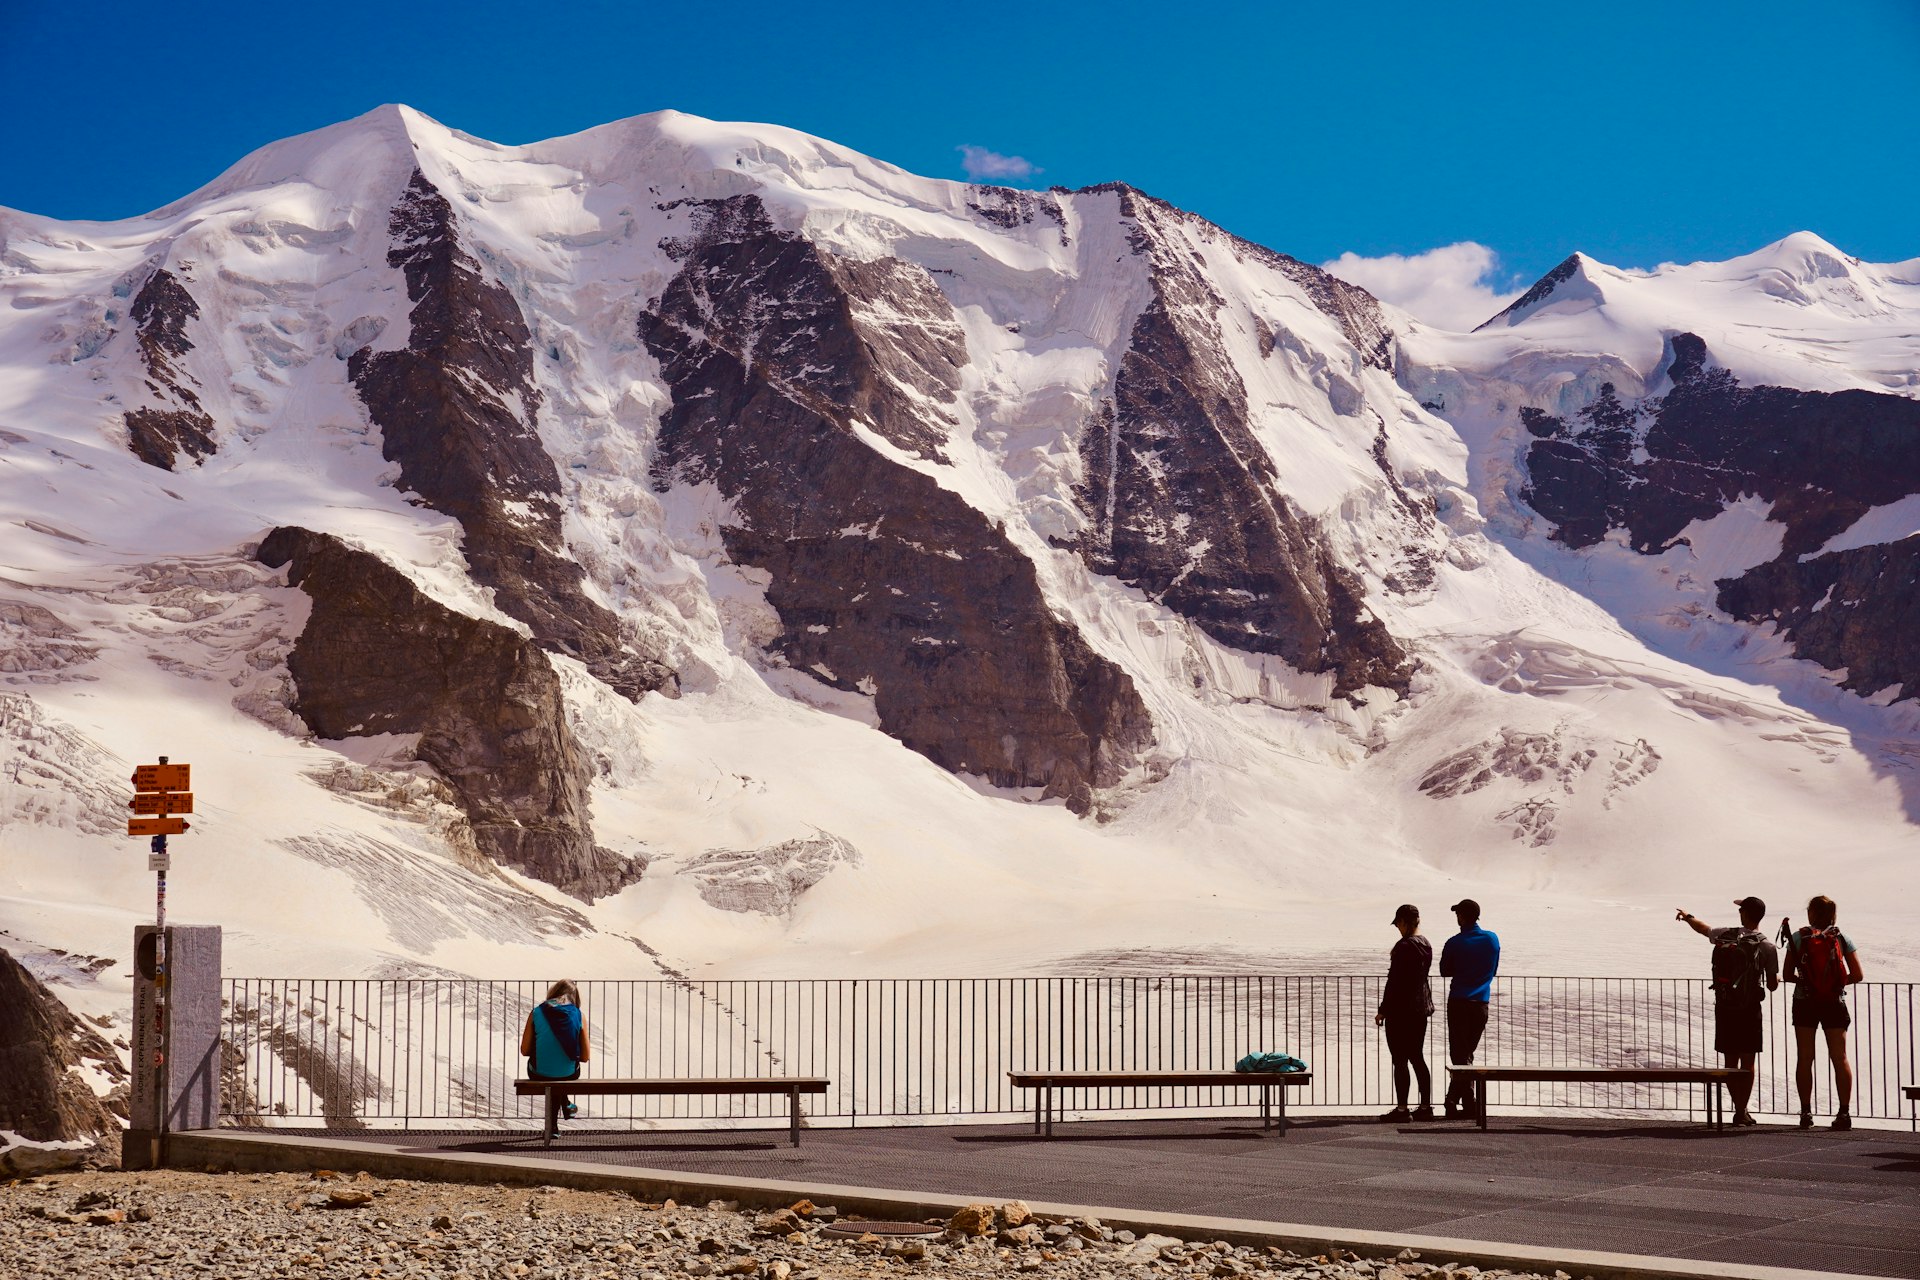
1406,1041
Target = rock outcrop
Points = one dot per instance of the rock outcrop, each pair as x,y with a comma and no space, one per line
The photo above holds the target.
769,880
44,1052
1851,611
885,582
379,656
1821,460
456,410
176,423
1182,500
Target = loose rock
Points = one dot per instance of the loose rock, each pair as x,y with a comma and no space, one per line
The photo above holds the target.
972,1220
260,1227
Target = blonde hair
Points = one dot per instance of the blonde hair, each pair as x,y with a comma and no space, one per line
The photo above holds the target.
1821,912
564,989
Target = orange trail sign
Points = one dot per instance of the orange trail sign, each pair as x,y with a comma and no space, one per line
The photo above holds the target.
163,777
162,802
156,827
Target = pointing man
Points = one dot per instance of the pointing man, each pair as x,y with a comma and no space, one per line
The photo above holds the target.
1746,968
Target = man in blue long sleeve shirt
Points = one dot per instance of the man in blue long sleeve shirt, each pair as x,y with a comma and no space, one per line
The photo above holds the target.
1471,958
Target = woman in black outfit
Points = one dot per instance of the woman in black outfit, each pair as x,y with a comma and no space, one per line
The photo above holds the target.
1405,1006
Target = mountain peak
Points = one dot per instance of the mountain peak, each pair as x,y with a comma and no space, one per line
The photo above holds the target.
1802,257
373,150
1573,280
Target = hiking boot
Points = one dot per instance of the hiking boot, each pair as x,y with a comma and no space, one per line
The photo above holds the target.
1423,1113
1744,1118
1843,1122
1399,1115
1806,1119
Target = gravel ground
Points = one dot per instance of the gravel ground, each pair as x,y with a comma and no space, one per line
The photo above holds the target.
174,1223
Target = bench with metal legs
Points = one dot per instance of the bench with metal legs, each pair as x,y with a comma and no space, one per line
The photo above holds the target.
791,1087
1711,1079
1273,1086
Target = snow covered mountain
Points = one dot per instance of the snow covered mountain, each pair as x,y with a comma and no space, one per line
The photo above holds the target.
1763,414
704,537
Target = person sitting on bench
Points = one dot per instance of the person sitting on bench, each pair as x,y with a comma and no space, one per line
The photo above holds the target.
555,1044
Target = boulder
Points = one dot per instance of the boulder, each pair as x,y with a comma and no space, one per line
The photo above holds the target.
972,1220
43,1098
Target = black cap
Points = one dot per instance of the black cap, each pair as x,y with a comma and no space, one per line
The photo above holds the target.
1406,911
1752,906
1467,905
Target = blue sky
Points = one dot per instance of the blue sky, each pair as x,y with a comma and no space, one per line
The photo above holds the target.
1638,132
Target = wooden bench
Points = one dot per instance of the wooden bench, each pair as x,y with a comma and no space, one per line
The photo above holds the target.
790,1086
1268,1082
1711,1078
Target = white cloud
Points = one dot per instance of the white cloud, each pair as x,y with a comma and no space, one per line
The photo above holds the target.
1457,286
982,163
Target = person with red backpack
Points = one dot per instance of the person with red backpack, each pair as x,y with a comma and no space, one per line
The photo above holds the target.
1821,963
1746,969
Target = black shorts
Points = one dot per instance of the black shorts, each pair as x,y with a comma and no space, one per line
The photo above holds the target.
1832,1014
1737,1027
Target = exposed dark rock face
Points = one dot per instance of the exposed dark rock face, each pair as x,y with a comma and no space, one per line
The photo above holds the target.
1852,609
456,409
1009,207
378,656
1582,477
1353,308
884,581
1182,501
1821,459
1357,310
42,1097
159,434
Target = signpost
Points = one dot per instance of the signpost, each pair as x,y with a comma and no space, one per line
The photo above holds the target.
161,791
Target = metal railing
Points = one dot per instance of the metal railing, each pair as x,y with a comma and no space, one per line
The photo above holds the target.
415,1051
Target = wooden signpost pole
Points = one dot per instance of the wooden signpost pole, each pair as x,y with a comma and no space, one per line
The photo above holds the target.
160,1100
163,791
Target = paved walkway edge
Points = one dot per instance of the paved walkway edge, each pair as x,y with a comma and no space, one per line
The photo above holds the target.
256,1151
